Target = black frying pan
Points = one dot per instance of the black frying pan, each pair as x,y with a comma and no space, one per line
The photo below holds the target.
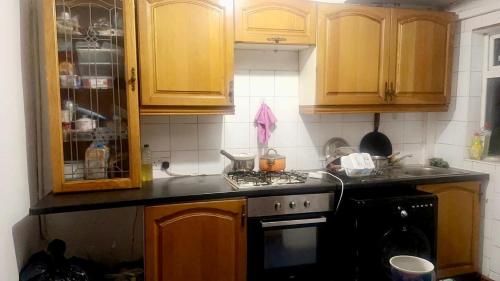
376,143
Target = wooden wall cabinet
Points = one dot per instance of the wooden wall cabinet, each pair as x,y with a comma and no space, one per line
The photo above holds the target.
275,22
353,55
373,59
186,54
196,241
458,227
89,60
422,56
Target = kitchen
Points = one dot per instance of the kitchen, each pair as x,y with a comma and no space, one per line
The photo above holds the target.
277,76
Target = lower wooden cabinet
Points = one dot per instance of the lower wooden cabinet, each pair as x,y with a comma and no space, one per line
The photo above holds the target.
199,241
458,227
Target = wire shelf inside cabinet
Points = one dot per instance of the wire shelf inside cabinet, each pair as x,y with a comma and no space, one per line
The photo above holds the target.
94,115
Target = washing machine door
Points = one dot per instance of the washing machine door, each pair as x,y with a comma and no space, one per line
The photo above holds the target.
403,240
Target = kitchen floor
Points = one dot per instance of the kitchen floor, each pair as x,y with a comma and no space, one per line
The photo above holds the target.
466,277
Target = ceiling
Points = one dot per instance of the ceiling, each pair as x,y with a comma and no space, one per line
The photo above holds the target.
428,3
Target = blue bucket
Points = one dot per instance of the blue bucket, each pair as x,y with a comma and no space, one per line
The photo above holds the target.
410,268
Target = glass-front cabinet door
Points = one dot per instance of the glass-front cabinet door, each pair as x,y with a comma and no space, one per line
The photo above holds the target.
90,63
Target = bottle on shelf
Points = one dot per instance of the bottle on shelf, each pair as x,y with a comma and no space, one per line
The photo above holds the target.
147,164
96,161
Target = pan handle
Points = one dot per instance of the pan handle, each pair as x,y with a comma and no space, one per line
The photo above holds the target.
225,153
377,122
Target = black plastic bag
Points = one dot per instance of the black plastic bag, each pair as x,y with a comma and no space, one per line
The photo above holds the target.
53,266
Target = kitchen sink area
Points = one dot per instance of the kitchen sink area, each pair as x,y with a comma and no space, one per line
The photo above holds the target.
421,171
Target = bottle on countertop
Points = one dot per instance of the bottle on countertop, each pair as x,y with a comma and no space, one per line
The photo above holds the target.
476,149
147,164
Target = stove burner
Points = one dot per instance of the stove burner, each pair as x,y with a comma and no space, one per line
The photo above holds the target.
260,179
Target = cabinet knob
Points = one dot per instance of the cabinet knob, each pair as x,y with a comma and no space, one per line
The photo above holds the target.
404,214
277,206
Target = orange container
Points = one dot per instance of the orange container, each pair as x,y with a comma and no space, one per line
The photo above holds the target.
272,161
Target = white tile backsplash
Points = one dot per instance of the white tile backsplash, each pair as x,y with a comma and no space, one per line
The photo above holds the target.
184,162
414,132
211,136
242,111
156,135
285,135
242,83
194,141
210,162
184,137
286,109
262,83
237,135
287,84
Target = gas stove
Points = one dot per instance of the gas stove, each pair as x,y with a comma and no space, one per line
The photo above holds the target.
242,180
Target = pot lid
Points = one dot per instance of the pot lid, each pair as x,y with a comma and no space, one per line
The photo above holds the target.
272,154
243,156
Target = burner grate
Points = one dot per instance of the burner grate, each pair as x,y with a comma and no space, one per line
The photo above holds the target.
261,179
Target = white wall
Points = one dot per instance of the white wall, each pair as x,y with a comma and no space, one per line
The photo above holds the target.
15,228
192,143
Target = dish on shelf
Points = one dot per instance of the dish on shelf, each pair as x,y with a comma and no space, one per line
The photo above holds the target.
70,81
97,82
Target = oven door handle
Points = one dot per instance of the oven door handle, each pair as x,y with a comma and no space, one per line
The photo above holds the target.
269,224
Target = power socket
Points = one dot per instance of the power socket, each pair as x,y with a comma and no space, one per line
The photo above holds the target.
160,157
158,161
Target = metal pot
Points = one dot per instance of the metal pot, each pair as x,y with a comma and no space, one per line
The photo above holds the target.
380,162
272,162
241,162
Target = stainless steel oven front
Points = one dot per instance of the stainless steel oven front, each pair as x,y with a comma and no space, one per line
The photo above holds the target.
288,237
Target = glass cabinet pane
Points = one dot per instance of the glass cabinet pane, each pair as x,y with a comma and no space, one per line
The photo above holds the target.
496,52
90,38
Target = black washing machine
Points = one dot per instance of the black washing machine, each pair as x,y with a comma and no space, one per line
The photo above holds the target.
380,226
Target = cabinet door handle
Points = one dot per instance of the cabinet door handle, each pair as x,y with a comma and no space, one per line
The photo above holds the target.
133,78
392,92
276,39
243,215
231,91
386,93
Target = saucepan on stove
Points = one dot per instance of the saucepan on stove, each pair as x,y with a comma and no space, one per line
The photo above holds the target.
242,162
272,161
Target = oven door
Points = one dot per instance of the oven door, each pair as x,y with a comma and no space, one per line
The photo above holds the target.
286,248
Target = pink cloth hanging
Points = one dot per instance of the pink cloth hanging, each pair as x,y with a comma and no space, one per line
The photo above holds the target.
265,120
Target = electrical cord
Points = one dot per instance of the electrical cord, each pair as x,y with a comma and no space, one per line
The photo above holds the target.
341,191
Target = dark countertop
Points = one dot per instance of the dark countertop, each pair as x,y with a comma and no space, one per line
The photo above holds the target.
185,189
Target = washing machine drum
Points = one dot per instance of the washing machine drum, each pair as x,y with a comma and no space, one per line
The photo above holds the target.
403,240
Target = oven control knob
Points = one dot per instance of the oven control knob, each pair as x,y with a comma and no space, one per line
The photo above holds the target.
404,214
277,206
307,204
292,205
